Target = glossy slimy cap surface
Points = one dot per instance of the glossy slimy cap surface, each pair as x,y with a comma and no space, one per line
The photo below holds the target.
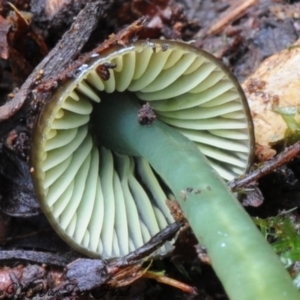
108,204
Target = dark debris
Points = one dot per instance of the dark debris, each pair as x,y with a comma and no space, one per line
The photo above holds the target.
146,115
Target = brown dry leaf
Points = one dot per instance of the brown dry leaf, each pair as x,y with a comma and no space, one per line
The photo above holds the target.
276,83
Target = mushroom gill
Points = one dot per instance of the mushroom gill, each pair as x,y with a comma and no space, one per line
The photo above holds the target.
108,203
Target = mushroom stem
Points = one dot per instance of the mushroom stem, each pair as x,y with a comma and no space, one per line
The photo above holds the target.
245,263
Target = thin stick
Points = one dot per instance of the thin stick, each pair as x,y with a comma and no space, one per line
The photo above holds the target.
268,167
170,281
230,16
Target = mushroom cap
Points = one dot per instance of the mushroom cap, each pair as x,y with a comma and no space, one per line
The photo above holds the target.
108,204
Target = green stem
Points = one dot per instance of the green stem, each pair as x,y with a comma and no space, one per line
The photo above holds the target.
245,263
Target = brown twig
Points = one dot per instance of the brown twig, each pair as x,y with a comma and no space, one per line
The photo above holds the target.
266,168
170,281
231,15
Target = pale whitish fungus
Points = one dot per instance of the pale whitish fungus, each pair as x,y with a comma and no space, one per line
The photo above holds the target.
107,203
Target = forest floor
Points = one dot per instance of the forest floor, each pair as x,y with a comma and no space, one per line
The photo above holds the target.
240,33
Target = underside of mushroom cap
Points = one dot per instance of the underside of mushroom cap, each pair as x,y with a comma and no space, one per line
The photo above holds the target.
105,203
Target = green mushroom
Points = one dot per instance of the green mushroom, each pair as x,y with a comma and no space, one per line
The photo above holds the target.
130,132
